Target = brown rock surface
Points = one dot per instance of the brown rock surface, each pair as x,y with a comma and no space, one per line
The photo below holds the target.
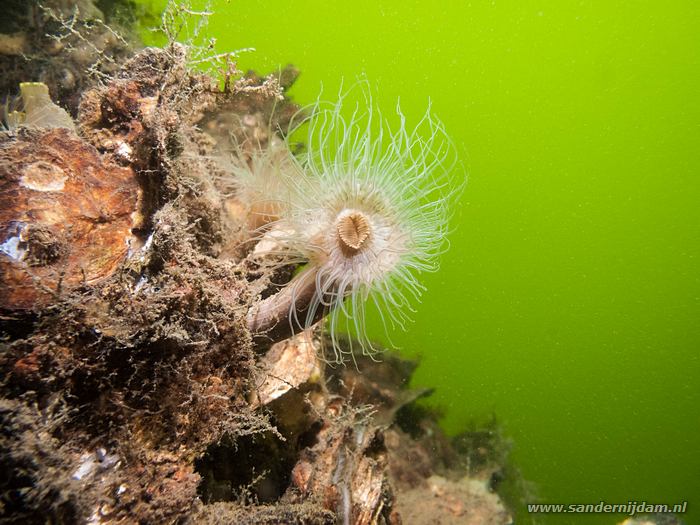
66,216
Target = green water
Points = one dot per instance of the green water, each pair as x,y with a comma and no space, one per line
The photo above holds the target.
570,300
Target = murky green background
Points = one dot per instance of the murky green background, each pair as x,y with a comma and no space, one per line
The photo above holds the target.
569,304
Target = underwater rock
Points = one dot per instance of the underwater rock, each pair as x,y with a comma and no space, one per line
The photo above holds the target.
65,44
66,216
346,469
140,343
140,113
14,44
227,514
464,502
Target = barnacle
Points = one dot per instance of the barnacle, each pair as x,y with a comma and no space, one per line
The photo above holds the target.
366,207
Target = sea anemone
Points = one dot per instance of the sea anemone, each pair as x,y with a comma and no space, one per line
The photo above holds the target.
367,210
260,180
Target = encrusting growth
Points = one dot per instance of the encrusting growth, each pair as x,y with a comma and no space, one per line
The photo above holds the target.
366,208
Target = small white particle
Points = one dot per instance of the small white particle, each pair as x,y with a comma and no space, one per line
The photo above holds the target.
87,466
11,246
140,283
124,151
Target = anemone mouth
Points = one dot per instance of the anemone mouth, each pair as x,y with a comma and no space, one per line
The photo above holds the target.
354,231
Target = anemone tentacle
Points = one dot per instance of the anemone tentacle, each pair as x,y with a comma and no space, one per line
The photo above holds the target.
368,207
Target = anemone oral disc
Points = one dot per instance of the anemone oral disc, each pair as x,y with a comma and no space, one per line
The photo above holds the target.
353,231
